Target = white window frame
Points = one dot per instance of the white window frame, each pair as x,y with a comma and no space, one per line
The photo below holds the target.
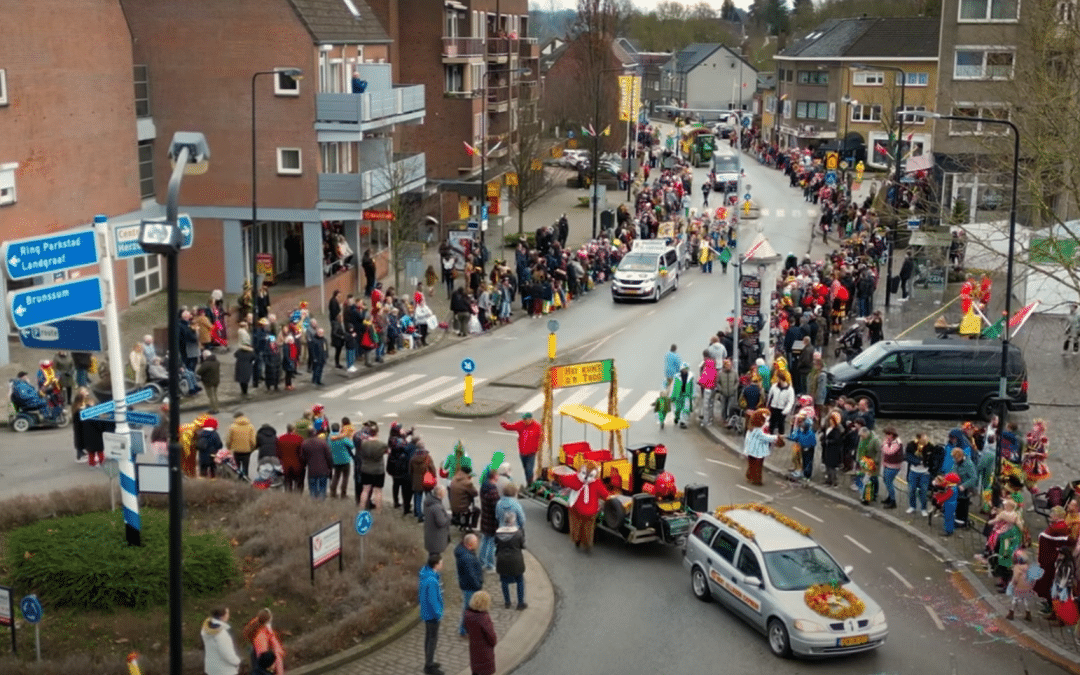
987,16
914,79
874,110
910,120
868,78
283,91
152,268
821,110
8,195
1065,11
3,87
985,50
920,140
289,171
983,110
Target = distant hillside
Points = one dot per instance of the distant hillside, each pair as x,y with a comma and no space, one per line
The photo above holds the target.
544,25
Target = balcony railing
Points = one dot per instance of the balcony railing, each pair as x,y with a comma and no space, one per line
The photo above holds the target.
528,48
498,46
370,106
460,47
374,185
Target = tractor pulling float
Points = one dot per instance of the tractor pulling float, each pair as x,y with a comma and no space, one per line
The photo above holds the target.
640,501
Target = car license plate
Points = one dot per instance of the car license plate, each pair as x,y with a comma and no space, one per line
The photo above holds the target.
853,641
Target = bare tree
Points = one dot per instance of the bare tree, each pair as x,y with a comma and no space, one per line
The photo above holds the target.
528,180
396,175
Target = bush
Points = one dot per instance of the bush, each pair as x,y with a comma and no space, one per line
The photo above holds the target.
511,240
84,561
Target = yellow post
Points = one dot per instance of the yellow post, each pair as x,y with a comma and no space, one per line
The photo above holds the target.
551,346
133,664
746,206
468,389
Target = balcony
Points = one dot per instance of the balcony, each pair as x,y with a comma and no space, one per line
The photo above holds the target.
375,186
498,97
528,48
370,110
457,49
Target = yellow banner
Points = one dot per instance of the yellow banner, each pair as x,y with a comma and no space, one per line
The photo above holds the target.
463,208
629,95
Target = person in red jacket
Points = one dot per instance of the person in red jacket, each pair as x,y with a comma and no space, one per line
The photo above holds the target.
288,452
587,491
530,433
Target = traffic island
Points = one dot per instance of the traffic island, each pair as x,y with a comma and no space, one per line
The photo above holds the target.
480,407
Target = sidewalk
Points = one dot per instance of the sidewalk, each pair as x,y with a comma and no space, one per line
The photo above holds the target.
1054,643
520,632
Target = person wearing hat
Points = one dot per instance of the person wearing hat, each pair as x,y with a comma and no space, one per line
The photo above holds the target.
682,395
207,443
757,446
530,433
209,371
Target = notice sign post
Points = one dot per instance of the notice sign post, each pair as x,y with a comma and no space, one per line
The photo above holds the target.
325,545
7,612
577,374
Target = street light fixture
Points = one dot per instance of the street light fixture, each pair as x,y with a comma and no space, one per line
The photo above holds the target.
190,155
899,146
296,74
1003,377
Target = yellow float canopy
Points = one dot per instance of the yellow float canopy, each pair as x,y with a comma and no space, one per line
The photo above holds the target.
587,415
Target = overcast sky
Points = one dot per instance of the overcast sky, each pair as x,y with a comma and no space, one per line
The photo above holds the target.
641,4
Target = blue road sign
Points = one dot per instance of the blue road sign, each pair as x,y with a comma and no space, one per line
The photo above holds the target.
95,410
830,178
46,304
746,197
139,396
467,366
553,325
75,335
746,122
31,608
126,237
108,406
28,258
144,418
363,522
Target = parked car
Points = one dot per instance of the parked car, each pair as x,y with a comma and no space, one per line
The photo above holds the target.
767,570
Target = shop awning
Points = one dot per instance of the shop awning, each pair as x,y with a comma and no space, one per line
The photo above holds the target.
587,415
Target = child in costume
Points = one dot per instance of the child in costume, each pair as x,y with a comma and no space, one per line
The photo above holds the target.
459,460
945,498
867,472
1033,462
682,395
586,492
662,404
1021,589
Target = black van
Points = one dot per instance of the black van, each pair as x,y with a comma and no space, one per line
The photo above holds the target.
932,376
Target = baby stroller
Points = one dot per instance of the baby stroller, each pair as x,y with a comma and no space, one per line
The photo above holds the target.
269,475
850,343
227,466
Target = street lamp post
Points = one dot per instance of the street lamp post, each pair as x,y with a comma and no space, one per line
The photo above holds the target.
899,145
1003,375
296,74
596,145
483,148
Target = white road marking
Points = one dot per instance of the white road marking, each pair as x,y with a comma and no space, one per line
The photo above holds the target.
795,213
716,461
701,473
853,541
502,433
447,393
433,383
759,494
808,514
779,213
907,584
935,556
434,426
689,284
532,404
362,382
602,341
390,415
934,617
389,386
765,213
642,407
578,396
453,419
650,312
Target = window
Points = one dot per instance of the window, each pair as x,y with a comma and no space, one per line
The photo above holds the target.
812,110
3,87
748,563
146,275
914,79
789,76
787,110
914,119
813,77
705,530
983,63
1066,11
884,146
142,92
866,113
286,85
455,78
288,161
868,78
993,111
989,10
476,77
7,182
897,363
725,545
146,170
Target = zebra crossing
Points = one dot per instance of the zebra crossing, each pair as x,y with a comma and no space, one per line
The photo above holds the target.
417,389
792,213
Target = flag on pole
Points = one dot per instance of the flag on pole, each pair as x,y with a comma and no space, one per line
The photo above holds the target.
971,324
585,132
469,149
607,130
994,332
1020,318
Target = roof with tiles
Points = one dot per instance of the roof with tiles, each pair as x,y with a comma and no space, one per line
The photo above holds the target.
340,21
877,37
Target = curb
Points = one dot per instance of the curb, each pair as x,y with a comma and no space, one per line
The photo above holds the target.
380,640
969,583
458,410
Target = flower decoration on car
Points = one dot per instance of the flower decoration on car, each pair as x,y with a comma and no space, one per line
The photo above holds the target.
833,601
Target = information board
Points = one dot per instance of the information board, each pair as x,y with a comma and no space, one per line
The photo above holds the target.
577,374
325,545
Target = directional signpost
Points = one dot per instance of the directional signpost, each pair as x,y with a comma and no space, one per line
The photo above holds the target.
108,406
27,258
31,611
126,237
73,335
45,304
467,367
363,526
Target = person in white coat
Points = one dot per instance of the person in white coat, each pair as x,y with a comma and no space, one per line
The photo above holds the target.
220,657
780,402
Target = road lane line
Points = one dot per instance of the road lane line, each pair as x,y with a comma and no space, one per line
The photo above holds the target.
716,461
642,407
602,341
601,391
701,473
433,426
935,556
447,393
759,494
502,433
934,617
389,386
453,419
650,312
907,584
532,404
578,397
808,514
421,388
853,541
362,382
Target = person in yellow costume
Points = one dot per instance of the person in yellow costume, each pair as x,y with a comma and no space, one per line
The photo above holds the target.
780,371
187,444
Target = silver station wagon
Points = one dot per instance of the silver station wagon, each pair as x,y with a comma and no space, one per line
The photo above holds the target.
765,568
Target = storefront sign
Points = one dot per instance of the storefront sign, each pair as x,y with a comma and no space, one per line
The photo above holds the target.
264,267
325,545
378,215
577,374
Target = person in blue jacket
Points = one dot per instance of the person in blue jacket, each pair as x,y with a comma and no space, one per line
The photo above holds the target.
431,610
26,397
804,435
957,439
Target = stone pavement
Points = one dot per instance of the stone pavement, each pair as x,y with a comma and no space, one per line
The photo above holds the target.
520,632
